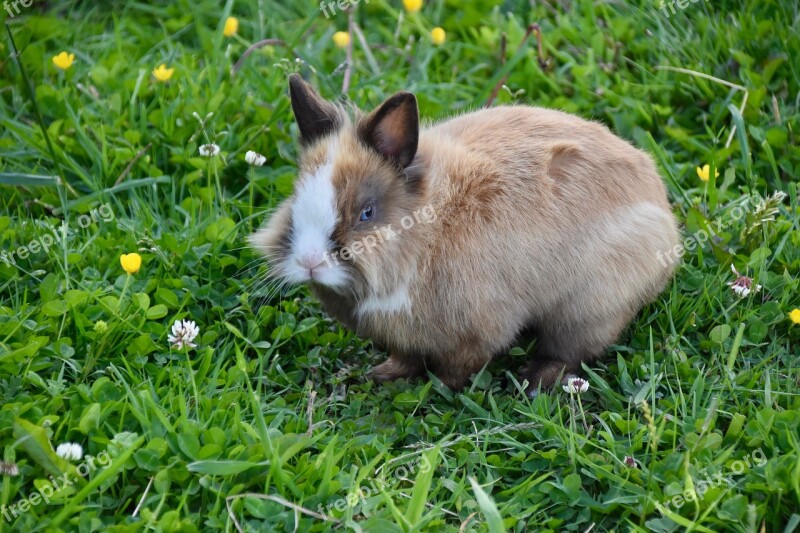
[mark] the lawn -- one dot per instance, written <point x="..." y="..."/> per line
<point x="268" y="422"/>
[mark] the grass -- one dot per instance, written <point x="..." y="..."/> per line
<point x="269" y="424"/>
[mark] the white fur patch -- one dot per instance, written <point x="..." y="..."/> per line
<point x="644" y="218"/>
<point x="395" y="302"/>
<point x="314" y="217"/>
<point x="649" y="210"/>
<point x="314" y="213"/>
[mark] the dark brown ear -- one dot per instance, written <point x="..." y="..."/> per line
<point x="315" y="116"/>
<point x="393" y="129"/>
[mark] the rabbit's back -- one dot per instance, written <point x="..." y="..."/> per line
<point x="542" y="217"/>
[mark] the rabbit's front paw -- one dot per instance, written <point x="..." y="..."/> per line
<point x="395" y="368"/>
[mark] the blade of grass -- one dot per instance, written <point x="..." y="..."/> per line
<point x="422" y="486"/>
<point x="62" y="190"/>
<point x="28" y="180"/>
<point x="489" y="509"/>
<point x="741" y="133"/>
<point x="101" y="478"/>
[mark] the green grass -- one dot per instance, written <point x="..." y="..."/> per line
<point x="270" y="423"/>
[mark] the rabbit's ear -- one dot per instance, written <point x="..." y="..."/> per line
<point x="393" y="129"/>
<point x="315" y="116"/>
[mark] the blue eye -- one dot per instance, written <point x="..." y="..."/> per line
<point x="367" y="214"/>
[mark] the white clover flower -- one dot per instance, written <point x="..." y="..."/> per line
<point x="70" y="451"/>
<point x="255" y="159"/>
<point x="576" y="386"/>
<point x="183" y="333"/>
<point x="742" y="285"/>
<point x="630" y="462"/>
<point x="9" y="469"/>
<point x="209" y="150"/>
<point x="741" y="290"/>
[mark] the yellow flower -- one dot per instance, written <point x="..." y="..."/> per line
<point x="794" y="316"/>
<point x="412" y="6"/>
<point x="63" y="60"/>
<point x="162" y="73"/>
<point x="341" y="39"/>
<point x="231" y="27"/>
<point x="131" y="262"/>
<point x="704" y="172"/>
<point x="438" y="35"/>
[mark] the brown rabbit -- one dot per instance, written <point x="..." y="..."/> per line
<point x="443" y="243"/>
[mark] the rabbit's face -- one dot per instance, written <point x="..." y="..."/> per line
<point x="308" y="248"/>
<point x="342" y="228"/>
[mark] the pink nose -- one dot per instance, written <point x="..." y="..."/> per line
<point x="310" y="261"/>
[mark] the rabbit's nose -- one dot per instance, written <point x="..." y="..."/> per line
<point x="311" y="261"/>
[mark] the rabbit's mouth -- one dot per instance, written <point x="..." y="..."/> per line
<point x="322" y="269"/>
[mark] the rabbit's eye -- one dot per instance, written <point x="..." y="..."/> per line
<point x="367" y="214"/>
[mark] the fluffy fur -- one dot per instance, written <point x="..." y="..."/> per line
<point x="522" y="218"/>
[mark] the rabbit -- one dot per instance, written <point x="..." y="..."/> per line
<point x="443" y="243"/>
